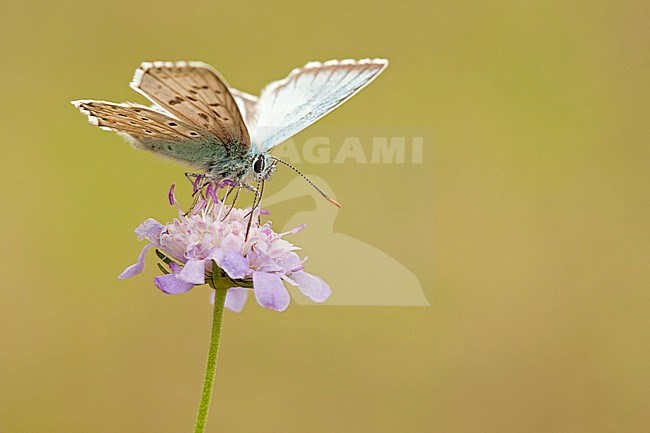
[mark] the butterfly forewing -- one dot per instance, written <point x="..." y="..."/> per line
<point x="288" y="106"/>
<point x="151" y="130"/>
<point x="194" y="92"/>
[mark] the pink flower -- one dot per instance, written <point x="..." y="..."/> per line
<point x="215" y="233"/>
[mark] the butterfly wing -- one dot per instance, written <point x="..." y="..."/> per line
<point x="288" y="106"/>
<point x="246" y="103"/>
<point x="196" y="94"/>
<point x="154" y="131"/>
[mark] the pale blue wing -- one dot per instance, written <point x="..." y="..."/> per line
<point x="246" y="104"/>
<point x="288" y="106"/>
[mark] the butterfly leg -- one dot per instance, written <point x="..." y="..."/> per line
<point x="259" y="204"/>
<point x="199" y="182"/>
<point x="194" y="203"/>
<point x="232" y="205"/>
<point x="256" y="201"/>
<point x="193" y="178"/>
<point x="249" y="187"/>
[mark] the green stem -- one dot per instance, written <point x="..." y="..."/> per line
<point x="211" y="367"/>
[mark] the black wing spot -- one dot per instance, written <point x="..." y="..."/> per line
<point x="193" y="134"/>
<point x="176" y="100"/>
<point x="172" y="124"/>
<point x="169" y="147"/>
<point x="145" y="119"/>
<point x="148" y="131"/>
<point x="192" y="99"/>
<point x="202" y="115"/>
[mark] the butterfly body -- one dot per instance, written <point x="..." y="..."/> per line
<point x="196" y="118"/>
<point x="241" y="169"/>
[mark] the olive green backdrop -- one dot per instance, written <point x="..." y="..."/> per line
<point x="526" y="223"/>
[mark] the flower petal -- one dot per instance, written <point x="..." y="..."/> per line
<point x="313" y="287"/>
<point x="291" y="263"/>
<point x="197" y="181"/>
<point x="171" y="285"/>
<point x="270" y="291"/>
<point x="170" y="195"/>
<point x="136" y="268"/>
<point x="235" y="265"/>
<point x="236" y="298"/>
<point x="193" y="272"/>
<point x="232" y="242"/>
<point x="199" y="207"/>
<point x="211" y="192"/>
<point x="149" y="229"/>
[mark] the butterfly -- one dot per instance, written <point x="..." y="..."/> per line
<point x="227" y="134"/>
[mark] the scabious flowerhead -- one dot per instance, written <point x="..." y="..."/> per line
<point x="209" y="245"/>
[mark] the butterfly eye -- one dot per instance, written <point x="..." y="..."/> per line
<point x="258" y="165"/>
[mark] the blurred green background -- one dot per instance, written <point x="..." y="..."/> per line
<point x="526" y="224"/>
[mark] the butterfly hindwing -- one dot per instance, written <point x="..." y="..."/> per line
<point x="154" y="131"/>
<point x="194" y="93"/>
<point x="246" y="103"/>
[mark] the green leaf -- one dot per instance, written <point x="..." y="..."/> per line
<point x="244" y="283"/>
<point x="163" y="257"/>
<point x="163" y="269"/>
<point x="220" y="280"/>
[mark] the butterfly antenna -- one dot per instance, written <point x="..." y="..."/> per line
<point x="327" y="197"/>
